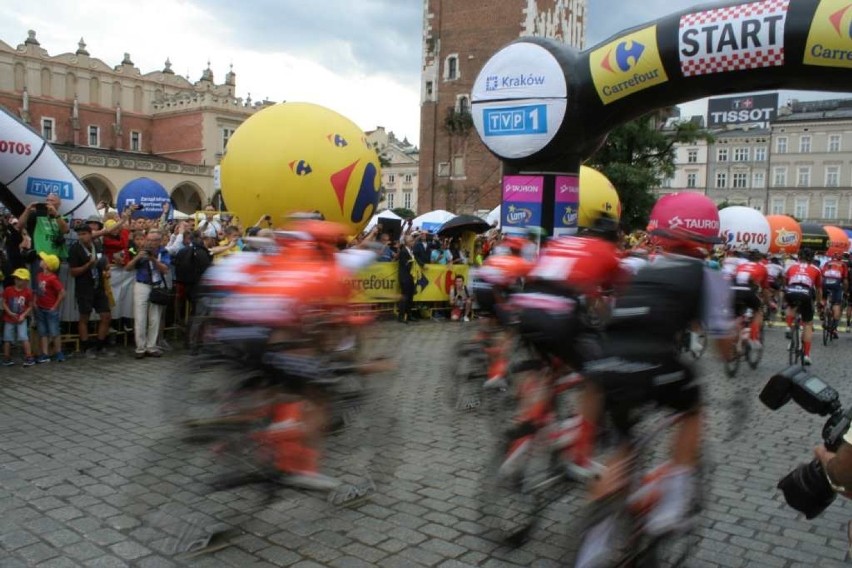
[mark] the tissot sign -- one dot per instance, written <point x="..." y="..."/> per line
<point x="743" y="109"/>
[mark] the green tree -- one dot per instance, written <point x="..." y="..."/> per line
<point x="636" y="157"/>
<point x="404" y="212"/>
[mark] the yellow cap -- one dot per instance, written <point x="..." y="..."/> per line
<point x="51" y="260"/>
<point x="22" y="273"/>
<point x="110" y="223"/>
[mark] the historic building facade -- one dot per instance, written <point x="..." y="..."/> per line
<point x="456" y="170"/>
<point x="115" y="124"/>
<point x="400" y="169"/>
<point x="737" y="167"/>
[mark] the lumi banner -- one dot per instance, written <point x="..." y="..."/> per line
<point x="543" y="106"/>
<point x="30" y="170"/>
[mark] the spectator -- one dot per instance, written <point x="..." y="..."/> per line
<point x="151" y="265"/>
<point x="460" y="301"/>
<point x="387" y="252"/>
<point x="17" y="305"/>
<point x="406" y="278"/>
<point x="49" y="296"/>
<point x="456" y="253"/>
<point x="12" y="240"/>
<point x="421" y="247"/>
<point x="88" y="266"/>
<point x="209" y="226"/>
<point x="190" y="264"/>
<point x="46" y="227"/>
<point x="442" y="255"/>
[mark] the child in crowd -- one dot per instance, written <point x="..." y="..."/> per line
<point x="460" y="300"/>
<point x="51" y="292"/>
<point x="17" y="305"/>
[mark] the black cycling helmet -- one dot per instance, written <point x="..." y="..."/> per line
<point x="806" y="254"/>
<point x="604" y="227"/>
<point x="755" y="255"/>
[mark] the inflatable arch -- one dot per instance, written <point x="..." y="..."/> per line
<point x="542" y="106"/>
<point x="30" y="170"/>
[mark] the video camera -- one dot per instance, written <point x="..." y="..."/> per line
<point x="807" y="488"/>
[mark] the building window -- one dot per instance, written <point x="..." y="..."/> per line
<point x="667" y="183"/>
<point x="760" y="154"/>
<point x="391" y="179"/>
<point x="94" y="136"/>
<point x="463" y="104"/>
<point x="692" y="156"/>
<point x="691" y="179"/>
<point x="781" y="145"/>
<point x="834" y="143"/>
<point x="801" y="208"/>
<point x="407" y="178"/>
<point x="135" y="141"/>
<point x="777" y="205"/>
<point x="803" y="177"/>
<point x="451" y="67"/>
<point x="226" y="135"/>
<point x="406" y="200"/>
<point x="430" y="90"/>
<point x="805" y="144"/>
<point x="779" y="177"/>
<point x="443" y="169"/>
<point x="832" y="176"/>
<point x="740" y="180"/>
<point x="390" y="200"/>
<point x="722" y="155"/>
<point x="721" y="180"/>
<point x="758" y="179"/>
<point x="458" y="166"/>
<point x="47" y="129"/>
<point x="741" y="154"/>
<point x="829" y="208"/>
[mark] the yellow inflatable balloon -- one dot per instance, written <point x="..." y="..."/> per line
<point x="300" y="157"/>
<point x="597" y="194"/>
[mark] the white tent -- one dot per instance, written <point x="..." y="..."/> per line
<point x="493" y="216"/>
<point x="386" y="214"/>
<point x="432" y="221"/>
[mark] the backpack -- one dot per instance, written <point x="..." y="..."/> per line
<point x="190" y="263"/>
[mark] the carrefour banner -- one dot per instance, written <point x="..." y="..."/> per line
<point x="522" y="198"/>
<point x="379" y="283"/>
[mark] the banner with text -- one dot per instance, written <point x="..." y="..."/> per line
<point x="522" y="197"/>
<point x="379" y="283"/>
<point x="567" y="205"/>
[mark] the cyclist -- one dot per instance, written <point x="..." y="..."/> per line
<point x="835" y="276"/>
<point x="751" y="279"/>
<point x="804" y="285"/>
<point x="733" y="259"/>
<point x="775" y="271"/>
<point x="638" y="364"/>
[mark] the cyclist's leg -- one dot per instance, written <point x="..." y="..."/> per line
<point x="757" y="320"/>
<point x="806" y="309"/>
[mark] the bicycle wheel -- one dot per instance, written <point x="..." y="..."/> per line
<point x="753" y="356"/>
<point x="793" y="347"/>
<point x="608" y="534"/>
<point x="732" y="362"/>
<point x="466" y="373"/>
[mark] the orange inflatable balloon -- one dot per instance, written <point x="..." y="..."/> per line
<point x="838" y="240"/>
<point x="785" y="234"/>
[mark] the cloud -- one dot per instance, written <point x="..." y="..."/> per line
<point x="608" y="17"/>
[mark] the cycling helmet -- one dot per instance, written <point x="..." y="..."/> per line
<point x="806" y="254"/>
<point x="685" y="242"/>
<point x="604" y="227"/>
<point x="755" y="255"/>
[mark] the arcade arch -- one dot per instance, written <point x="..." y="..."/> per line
<point x="100" y="188"/>
<point x="188" y="197"/>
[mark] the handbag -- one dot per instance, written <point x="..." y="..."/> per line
<point x="161" y="294"/>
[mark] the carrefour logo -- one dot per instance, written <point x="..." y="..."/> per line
<point x="627" y="65"/>
<point x="830" y="37"/>
<point x="627" y="55"/>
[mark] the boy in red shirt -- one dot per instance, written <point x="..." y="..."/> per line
<point x="17" y="305"/>
<point x="51" y="292"/>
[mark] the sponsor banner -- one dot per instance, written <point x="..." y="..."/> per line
<point x="518" y="128"/>
<point x="745" y="109"/>
<point x="41" y="188"/>
<point x="379" y="283"/>
<point x="733" y="38"/>
<point x="566" y="210"/>
<point x="521" y="207"/>
<point x="830" y="37"/>
<point x="627" y="65"/>
<point x="520" y="71"/>
<point x="49" y="174"/>
<point x="19" y="146"/>
<point x="525" y="189"/>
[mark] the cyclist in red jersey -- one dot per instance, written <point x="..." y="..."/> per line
<point x="804" y="285"/>
<point x="751" y="279"/>
<point x="834" y="281"/>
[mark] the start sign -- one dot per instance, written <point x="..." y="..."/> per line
<point x="744" y="36"/>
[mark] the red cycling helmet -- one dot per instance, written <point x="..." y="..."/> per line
<point x="682" y="241"/>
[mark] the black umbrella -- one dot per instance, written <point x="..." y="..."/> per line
<point x="462" y="224"/>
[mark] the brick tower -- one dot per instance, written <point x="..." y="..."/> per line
<point x="457" y="172"/>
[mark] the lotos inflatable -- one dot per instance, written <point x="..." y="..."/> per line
<point x="30" y="170"/>
<point x="146" y="196"/>
<point x="744" y="228"/>
<point x="691" y="211"/>
<point x="785" y="234"/>
<point x="838" y="240"/>
<point x="301" y="157"/>
<point x="596" y="194"/>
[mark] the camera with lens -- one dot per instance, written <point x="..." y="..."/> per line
<point x="807" y="488"/>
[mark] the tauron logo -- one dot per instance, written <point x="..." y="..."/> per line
<point x="627" y="55"/>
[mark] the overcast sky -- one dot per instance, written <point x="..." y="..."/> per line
<point x="359" y="57"/>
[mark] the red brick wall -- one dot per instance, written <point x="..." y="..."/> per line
<point x="179" y="137"/>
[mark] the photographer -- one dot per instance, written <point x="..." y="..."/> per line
<point x="151" y="265"/>
<point x="46" y="227"/>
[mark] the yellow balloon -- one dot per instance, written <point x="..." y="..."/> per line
<point x="597" y="195"/>
<point x="300" y="157"/>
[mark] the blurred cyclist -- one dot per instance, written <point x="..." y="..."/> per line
<point x="804" y="285"/>
<point x="835" y="276"/>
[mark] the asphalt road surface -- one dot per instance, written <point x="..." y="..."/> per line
<point x="92" y="474"/>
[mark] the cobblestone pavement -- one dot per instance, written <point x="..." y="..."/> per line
<point x="92" y="475"/>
